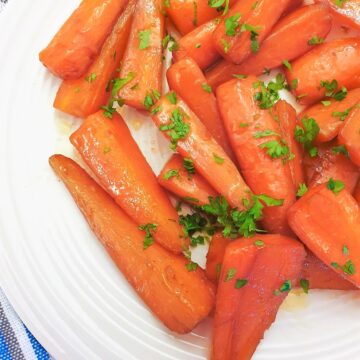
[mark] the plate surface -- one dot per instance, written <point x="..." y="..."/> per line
<point x="53" y="270"/>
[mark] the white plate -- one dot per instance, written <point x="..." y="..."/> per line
<point x="55" y="273"/>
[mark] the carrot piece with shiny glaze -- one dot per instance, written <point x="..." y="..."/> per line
<point x="79" y="40"/>
<point x="241" y="32"/>
<point x="186" y="79"/>
<point x="179" y="298"/>
<point x="142" y="63"/>
<point x="192" y="140"/>
<point x="336" y="60"/>
<point x="192" y="188"/>
<point x="84" y="96"/>
<point x="108" y="148"/>
<point x="288" y="40"/>
<point x="327" y="221"/>
<point x="252" y="132"/>
<point x="256" y="276"/>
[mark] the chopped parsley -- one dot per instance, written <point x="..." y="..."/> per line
<point x="149" y="230"/>
<point x="218" y="159"/>
<point x="294" y="84"/>
<point x="345" y="250"/>
<point x="144" y="39"/>
<point x="331" y="90"/>
<point x="107" y="149"/>
<point x="268" y="95"/>
<point x="206" y="88"/>
<point x="276" y="149"/>
<point x="171" y="173"/>
<point x="195" y="19"/>
<point x="254" y="33"/>
<point x="326" y="102"/>
<point x="171" y="96"/>
<point x="316" y="40"/>
<point x="340" y="149"/>
<point x="336" y="186"/>
<point x="305" y="285"/>
<point x="302" y="190"/>
<point x="306" y="135"/>
<point x="342" y="115"/>
<point x="240" y="283"/>
<point x="230" y="274"/>
<point x="239" y="76"/>
<point x="232" y="26"/>
<point x="90" y="78"/>
<point x="191" y="266"/>
<point x="169" y="42"/>
<point x="259" y="243"/>
<point x="189" y="166"/>
<point x="287" y="64"/>
<point x="226" y="45"/>
<point x="220" y="5"/>
<point x="285" y="287"/>
<point x="151" y="98"/>
<point x="348" y="268"/>
<point x="340" y="3"/>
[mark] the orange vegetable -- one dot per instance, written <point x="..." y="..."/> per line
<point x="186" y="79"/>
<point x="331" y="118"/>
<point x="287" y="41"/>
<point x="348" y="13"/>
<point x="336" y="60"/>
<point x="328" y="223"/>
<point x="198" y="45"/>
<point x="84" y="96"/>
<point x="215" y="256"/>
<point x="350" y="135"/>
<point x="142" y="63"/>
<point x="111" y="153"/>
<point x="79" y="40"/>
<point x="253" y="283"/>
<point x="179" y="298"/>
<point x="294" y="4"/>
<point x="196" y="143"/>
<point x="357" y="192"/>
<point x="249" y="129"/>
<point x="238" y="43"/>
<point x="330" y="164"/>
<point x="187" y="187"/>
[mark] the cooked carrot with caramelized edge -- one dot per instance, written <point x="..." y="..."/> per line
<point x="84" y="96"/>
<point x="192" y="140"/>
<point x="215" y="256"/>
<point x="188" y="186"/>
<point x="327" y="220"/>
<point x="320" y="276"/>
<point x="357" y="192"/>
<point x="347" y="12"/>
<point x="350" y="135"/>
<point x="254" y="133"/>
<point x="80" y="39"/>
<point x="316" y="71"/>
<point x="179" y="298"/>
<point x="248" y="297"/>
<point x="186" y="79"/>
<point x="142" y="63"/>
<point x="242" y="31"/>
<point x="198" y="45"/>
<point x="291" y="37"/>
<point x="331" y="117"/>
<point x="108" y="148"/>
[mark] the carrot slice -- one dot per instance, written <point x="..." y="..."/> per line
<point x="108" y="148"/>
<point x="350" y="135"/>
<point x="186" y="79"/>
<point x="84" y="96"/>
<point x="179" y="298"/>
<point x="336" y="60"/>
<point x="331" y="117"/>
<point x="248" y="297"/>
<point x="250" y="130"/>
<point x="288" y="40"/>
<point x="327" y="220"/>
<point x="142" y="63"/>
<point x="198" y="45"/>
<point x="80" y="39"/>
<point x="189" y="187"/>
<point x="245" y="27"/>
<point x="192" y="140"/>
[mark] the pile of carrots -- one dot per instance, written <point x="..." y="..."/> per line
<point x="274" y="192"/>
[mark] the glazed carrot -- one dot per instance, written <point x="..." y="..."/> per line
<point x="238" y="42"/>
<point x="286" y="115"/>
<point x="251" y="130"/>
<point x="215" y="256"/>
<point x="288" y="40"/>
<point x="331" y="117"/>
<point x="294" y="4"/>
<point x="84" y="96"/>
<point x="111" y="153"/>
<point x="179" y="298"/>
<point x="256" y="276"/>
<point x="188" y="187"/>
<point x="198" y="45"/>
<point x="327" y="220"/>
<point x="347" y="12"/>
<point x="336" y="60"/>
<point x="186" y="79"/>
<point x="192" y="140"/>
<point x="142" y="63"/>
<point x="357" y="192"/>
<point x="350" y="135"/>
<point x="80" y="39"/>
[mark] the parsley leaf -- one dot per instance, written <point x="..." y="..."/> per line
<point x="254" y="33"/>
<point x="307" y="134"/>
<point x="302" y="190"/>
<point x="287" y="64"/>
<point x="171" y="173"/>
<point x="230" y="274"/>
<point x="191" y="266"/>
<point x="285" y="287"/>
<point x="218" y="159"/>
<point x="316" y="40"/>
<point x="232" y="25"/>
<point x="340" y="149"/>
<point x="276" y="149"/>
<point x="144" y="39"/>
<point x="304" y="283"/>
<point x="259" y="243"/>
<point x="331" y="90"/>
<point x="240" y="283"/>
<point x="220" y="5"/>
<point x="149" y="230"/>
<point x="269" y="94"/>
<point x="340" y="3"/>
<point x="189" y="166"/>
<point x="206" y="88"/>
<point x="335" y="186"/>
<point x="90" y="78"/>
<point x="172" y="97"/>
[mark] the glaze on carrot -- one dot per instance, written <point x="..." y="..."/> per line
<point x="142" y="63"/>
<point x="357" y="192"/>
<point x="84" y="96"/>
<point x="179" y="298"/>
<point x="79" y="40"/>
<point x="108" y="148"/>
<point x="256" y="276"/>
